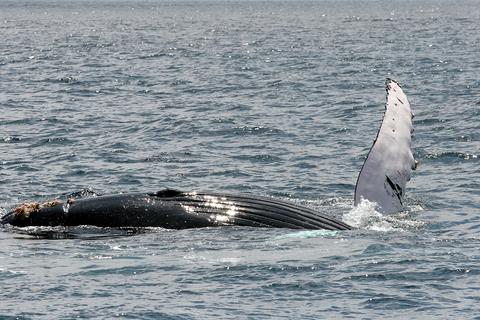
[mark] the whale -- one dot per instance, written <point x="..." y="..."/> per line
<point x="382" y="180"/>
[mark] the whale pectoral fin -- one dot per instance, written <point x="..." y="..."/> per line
<point x="389" y="163"/>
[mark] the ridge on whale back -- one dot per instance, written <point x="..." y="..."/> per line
<point x="383" y="179"/>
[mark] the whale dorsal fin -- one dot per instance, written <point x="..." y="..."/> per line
<point x="388" y="166"/>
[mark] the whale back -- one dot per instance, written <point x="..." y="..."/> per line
<point x="172" y="209"/>
<point x="389" y="163"/>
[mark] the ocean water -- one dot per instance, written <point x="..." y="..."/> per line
<point x="275" y="98"/>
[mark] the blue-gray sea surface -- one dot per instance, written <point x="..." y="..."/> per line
<point x="280" y="99"/>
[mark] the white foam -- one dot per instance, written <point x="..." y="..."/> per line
<point x="7" y="270"/>
<point x="307" y="234"/>
<point x="365" y="216"/>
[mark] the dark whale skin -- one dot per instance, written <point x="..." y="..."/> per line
<point x="172" y="209"/>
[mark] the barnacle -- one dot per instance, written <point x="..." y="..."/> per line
<point x="51" y="203"/>
<point x="25" y="209"/>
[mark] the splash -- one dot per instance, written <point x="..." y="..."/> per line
<point x="365" y="216"/>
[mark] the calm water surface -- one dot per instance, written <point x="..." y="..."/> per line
<point x="280" y="99"/>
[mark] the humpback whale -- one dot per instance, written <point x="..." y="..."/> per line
<point x="382" y="180"/>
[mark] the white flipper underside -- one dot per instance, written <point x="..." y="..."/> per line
<point x="389" y="163"/>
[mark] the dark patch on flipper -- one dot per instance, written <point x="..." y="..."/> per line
<point x="396" y="189"/>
